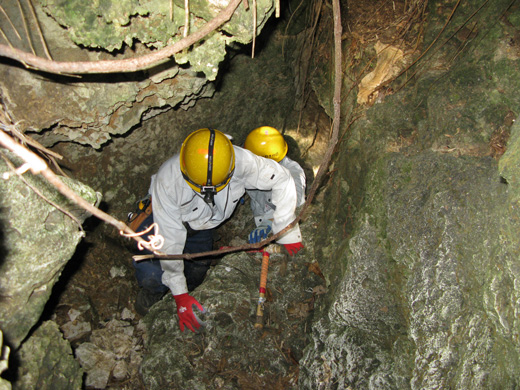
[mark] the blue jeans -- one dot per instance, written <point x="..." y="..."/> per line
<point x="149" y="272"/>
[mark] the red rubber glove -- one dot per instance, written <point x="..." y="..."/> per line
<point x="185" y="304"/>
<point x="293" y="248"/>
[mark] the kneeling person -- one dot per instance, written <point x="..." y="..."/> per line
<point x="193" y="193"/>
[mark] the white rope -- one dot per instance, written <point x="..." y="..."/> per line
<point x="156" y="240"/>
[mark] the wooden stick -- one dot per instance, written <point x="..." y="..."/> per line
<point x="259" y="324"/>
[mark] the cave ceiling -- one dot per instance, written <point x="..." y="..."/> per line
<point x="91" y="109"/>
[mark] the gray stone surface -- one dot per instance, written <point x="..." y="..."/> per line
<point x="47" y="362"/>
<point x="428" y="298"/>
<point x="420" y="254"/>
<point x="37" y="241"/>
<point x="230" y="352"/>
<point x="415" y="231"/>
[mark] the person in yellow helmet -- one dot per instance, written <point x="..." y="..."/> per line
<point x="194" y="192"/>
<point x="266" y="141"/>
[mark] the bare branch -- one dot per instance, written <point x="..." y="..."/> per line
<point x="119" y="66"/>
<point x="40" y="33"/>
<point x="186" y="18"/>
<point x="254" y="30"/>
<point x="26" y="27"/>
<point x="10" y="22"/>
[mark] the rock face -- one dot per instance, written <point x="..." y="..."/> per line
<point x="48" y="361"/>
<point x="409" y="279"/>
<point x="230" y="352"/>
<point x="428" y="298"/>
<point x="37" y="242"/>
<point x="428" y="295"/>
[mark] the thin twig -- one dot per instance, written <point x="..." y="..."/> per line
<point x="5" y="37"/>
<point x="10" y="22"/>
<point x="289" y="23"/>
<point x="28" y="140"/>
<point x="49" y="154"/>
<point x="119" y="66"/>
<point x="26" y="27"/>
<point x="186" y="18"/>
<point x="308" y="59"/>
<point x="254" y="30"/>
<point x="431" y="44"/>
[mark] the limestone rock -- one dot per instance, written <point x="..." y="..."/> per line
<point x="229" y="351"/>
<point x="88" y="110"/>
<point x="111" y="354"/>
<point x="37" y="242"/>
<point x="47" y="362"/>
<point x="429" y="293"/>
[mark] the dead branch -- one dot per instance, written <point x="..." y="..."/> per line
<point x="186" y="18"/>
<point x="40" y="32"/>
<point x="26" y="27"/>
<point x="119" y="66"/>
<point x="254" y="30"/>
<point x="10" y="22"/>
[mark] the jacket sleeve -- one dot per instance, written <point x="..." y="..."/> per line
<point x="265" y="174"/>
<point x="167" y="215"/>
<point x="298" y="175"/>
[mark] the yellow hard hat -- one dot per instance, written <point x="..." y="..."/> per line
<point x="207" y="161"/>
<point x="267" y="142"/>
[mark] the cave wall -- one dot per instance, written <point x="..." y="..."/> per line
<point x="40" y="232"/>
<point x="424" y="265"/>
<point x="120" y="168"/>
<point x="91" y="111"/>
